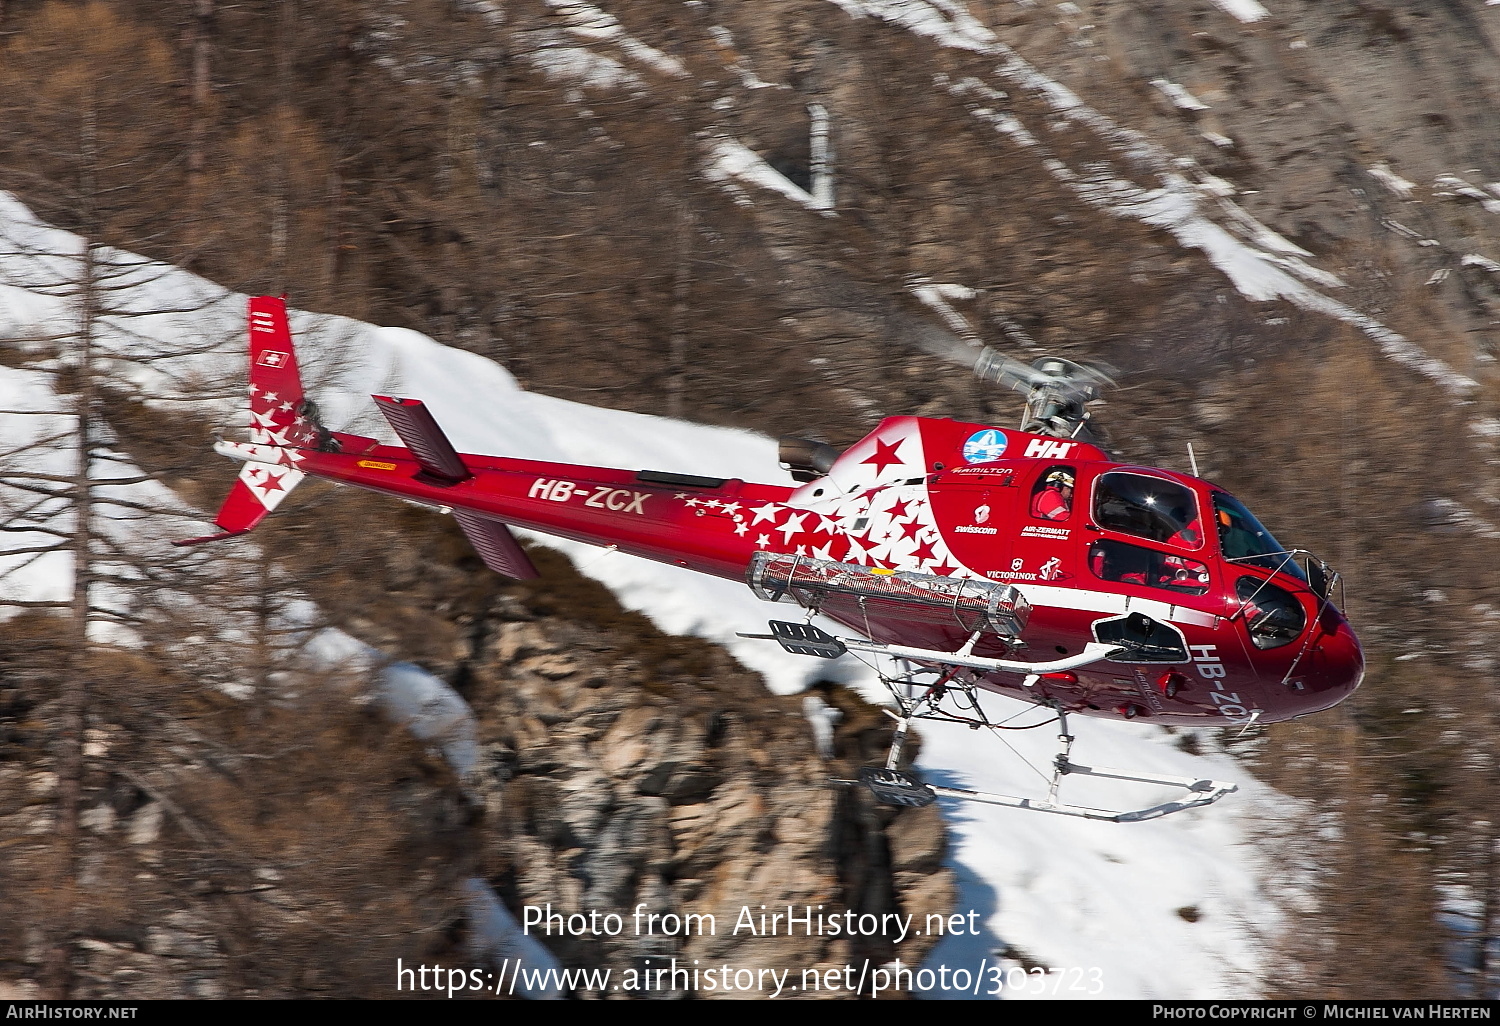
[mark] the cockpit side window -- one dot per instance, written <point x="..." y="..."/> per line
<point x="1052" y="498"/>
<point x="1272" y="616"/>
<point x="1148" y="507"/>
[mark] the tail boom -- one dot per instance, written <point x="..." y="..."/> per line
<point x="694" y="522"/>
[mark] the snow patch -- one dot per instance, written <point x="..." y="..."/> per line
<point x="583" y="67"/>
<point x="939" y="298"/>
<point x="1383" y="174"/>
<point x="1263" y="267"/>
<point x="496" y="937"/>
<point x="735" y="61"/>
<point x="1247" y="11"/>
<point x="1180" y="97"/>
<point x="589" y="23"/>
<point x="732" y="161"/>
<point x="1452" y="187"/>
<point x="432" y="711"/>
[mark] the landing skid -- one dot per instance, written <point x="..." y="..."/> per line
<point x="956" y="681"/>
<point x="892" y="786"/>
<point x="1203" y="792"/>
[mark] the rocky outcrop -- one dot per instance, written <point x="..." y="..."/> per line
<point x="614" y="785"/>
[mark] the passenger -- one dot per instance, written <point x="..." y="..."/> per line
<point x="1055" y="500"/>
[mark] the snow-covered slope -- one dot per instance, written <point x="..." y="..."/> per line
<point x="1070" y="895"/>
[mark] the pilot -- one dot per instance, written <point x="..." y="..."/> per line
<point x="1055" y="500"/>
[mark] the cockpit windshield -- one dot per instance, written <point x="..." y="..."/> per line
<point x="1245" y="539"/>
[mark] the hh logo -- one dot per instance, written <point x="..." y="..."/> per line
<point x="271" y="358"/>
<point x="1044" y="449"/>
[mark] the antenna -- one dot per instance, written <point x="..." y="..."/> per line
<point x="1192" y="460"/>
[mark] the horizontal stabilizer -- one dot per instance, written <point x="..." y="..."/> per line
<point x="419" y="432"/>
<point x="259" y="489"/>
<point x="496" y="546"/>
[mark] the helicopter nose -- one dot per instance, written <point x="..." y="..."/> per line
<point x="1336" y="666"/>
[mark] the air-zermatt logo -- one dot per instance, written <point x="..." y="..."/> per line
<point x="984" y="446"/>
<point x="272" y="358"/>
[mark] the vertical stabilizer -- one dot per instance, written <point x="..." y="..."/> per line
<point x="281" y="418"/>
<point x="279" y="412"/>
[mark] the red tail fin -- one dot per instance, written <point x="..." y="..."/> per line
<point x="279" y="412"/>
<point x="280" y="418"/>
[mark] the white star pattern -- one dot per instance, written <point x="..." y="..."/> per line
<point x="898" y="531"/>
<point x="792" y="526"/>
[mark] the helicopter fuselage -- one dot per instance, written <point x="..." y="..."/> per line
<point x="1238" y="630"/>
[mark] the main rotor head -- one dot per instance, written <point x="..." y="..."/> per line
<point x="1056" y="390"/>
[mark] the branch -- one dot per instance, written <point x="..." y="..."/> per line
<point x="116" y="616"/>
<point x="173" y="809"/>
<point x="40" y="443"/>
<point x="37" y="530"/>
<point x="39" y="549"/>
<point x="20" y="486"/>
<point x="97" y="482"/>
<point x="164" y="511"/>
<point x="36" y="475"/>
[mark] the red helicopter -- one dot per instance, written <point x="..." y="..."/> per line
<point x="973" y="558"/>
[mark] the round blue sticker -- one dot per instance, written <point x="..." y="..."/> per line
<point x="984" y="446"/>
